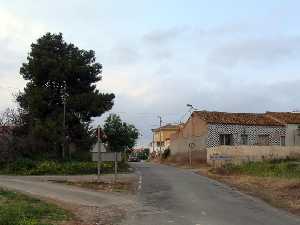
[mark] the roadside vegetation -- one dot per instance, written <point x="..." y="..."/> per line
<point x="18" y="209"/>
<point x="50" y="132"/>
<point x="274" y="168"/>
<point x="30" y="167"/>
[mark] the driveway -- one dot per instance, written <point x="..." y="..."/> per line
<point x="89" y="207"/>
<point x="39" y="186"/>
<point x="169" y="195"/>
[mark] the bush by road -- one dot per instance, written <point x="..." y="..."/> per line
<point x="30" y="167"/>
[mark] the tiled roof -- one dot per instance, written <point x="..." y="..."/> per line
<point x="285" y="117"/>
<point x="167" y="127"/>
<point x="237" y="118"/>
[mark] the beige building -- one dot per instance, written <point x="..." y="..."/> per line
<point x="162" y="136"/>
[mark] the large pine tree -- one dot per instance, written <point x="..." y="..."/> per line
<point x="56" y="70"/>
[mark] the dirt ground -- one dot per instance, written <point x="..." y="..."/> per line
<point x="118" y="186"/>
<point x="92" y="215"/>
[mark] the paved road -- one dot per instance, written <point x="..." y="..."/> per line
<point x="179" y="197"/>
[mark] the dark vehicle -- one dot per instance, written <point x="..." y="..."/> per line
<point x="133" y="159"/>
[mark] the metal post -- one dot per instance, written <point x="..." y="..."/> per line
<point x="99" y="154"/>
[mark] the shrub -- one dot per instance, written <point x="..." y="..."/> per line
<point x="21" y="165"/>
<point x="27" y="167"/>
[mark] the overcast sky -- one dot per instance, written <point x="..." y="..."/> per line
<point x="241" y="56"/>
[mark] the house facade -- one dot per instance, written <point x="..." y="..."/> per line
<point x="161" y="137"/>
<point x="291" y="120"/>
<point x="206" y="129"/>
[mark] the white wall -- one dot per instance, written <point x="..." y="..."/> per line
<point x="244" y="153"/>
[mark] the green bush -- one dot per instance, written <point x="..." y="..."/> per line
<point x="21" y="165"/>
<point x="27" y="167"/>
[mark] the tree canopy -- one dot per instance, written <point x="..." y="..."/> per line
<point x="58" y="71"/>
<point x="119" y="135"/>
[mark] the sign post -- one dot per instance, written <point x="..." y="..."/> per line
<point x="116" y="166"/>
<point x="99" y="152"/>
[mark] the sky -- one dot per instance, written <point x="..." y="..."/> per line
<point x="158" y="56"/>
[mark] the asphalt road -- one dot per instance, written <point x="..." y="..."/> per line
<point x="169" y="195"/>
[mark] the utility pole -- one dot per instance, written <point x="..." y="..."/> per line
<point x="64" y="122"/>
<point x="160" y="122"/>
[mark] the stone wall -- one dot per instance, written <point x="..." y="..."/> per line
<point x="220" y="155"/>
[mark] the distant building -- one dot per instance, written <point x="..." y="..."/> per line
<point x="161" y="137"/>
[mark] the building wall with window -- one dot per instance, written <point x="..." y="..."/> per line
<point x="293" y="135"/>
<point x="161" y="137"/>
<point x="228" y="134"/>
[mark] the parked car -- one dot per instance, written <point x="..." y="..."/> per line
<point x="133" y="158"/>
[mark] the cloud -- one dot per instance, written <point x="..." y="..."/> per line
<point x="162" y="36"/>
<point x="16" y="35"/>
<point x="255" y="51"/>
<point x="124" y="54"/>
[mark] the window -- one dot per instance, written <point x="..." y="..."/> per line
<point x="226" y="139"/>
<point x="160" y="144"/>
<point x="282" y="140"/>
<point x="263" y="139"/>
<point x="244" y="139"/>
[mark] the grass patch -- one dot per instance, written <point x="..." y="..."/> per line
<point x="276" y="168"/>
<point x="30" y="167"/>
<point x="18" y="209"/>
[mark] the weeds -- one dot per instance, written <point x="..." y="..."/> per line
<point x="18" y="209"/>
<point x="275" y="168"/>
